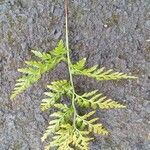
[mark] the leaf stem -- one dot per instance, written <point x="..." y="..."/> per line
<point x="69" y="63"/>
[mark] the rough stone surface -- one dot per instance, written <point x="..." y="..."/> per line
<point x="111" y="33"/>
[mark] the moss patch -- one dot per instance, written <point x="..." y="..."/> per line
<point x="113" y="20"/>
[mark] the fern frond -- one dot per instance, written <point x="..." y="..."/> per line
<point x="61" y="117"/>
<point x="60" y="49"/>
<point x="96" y="128"/>
<point x="81" y="139"/>
<point x="57" y="90"/>
<point x="70" y="130"/>
<point x="68" y="137"/>
<point x="43" y="56"/>
<point x="96" y="73"/>
<point x="97" y="100"/>
<point x="63" y="137"/>
<point x="60" y="86"/>
<point x="35" y="69"/>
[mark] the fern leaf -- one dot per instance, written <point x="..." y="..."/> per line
<point x="81" y="139"/>
<point x="108" y="104"/>
<point x="35" y="69"/>
<point x="47" y="147"/>
<point x="59" y="50"/>
<point x="96" y="73"/>
<point x="86" y="95"/>
<point x="29" y="71"/>
<point x="34" y="64"/>
<point x="97" y="100"/>
<point x="61" y="86"/>
<point x="90" y="124"/>
<point x="80" y="64"/>
<point x="63" y="137"/>
<point x="60" y="118"/>
<point x="57" y="90"/>
<point x="43" y="56"/>
<point x="68" y="137"/>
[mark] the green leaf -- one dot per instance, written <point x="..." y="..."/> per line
<point x="97" y="100"/>
<point x="67" y="137"/>
<point x="61" y="117"/>
<point x="90" y="124"/>
<point x="59" y="50"/>
<point x="43" y="56"/>
<point x="98" y="73"/>
<point x="80" y="64"/>
<point x="35" y="69"/>
<point x="57" y="90"/>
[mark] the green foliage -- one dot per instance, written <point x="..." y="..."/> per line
<point x="67" y="137"/>
<point x="97" y="100"/>
<point x="62" y="116"/>
<point x="68" y="129"/>
<point x="57" y="90"/>
<point x="35" y="69"/>
<point x="98" y="74"/>
<point x="91" y="126"/>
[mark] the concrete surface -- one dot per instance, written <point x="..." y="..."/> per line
<point x="111" y="33"/>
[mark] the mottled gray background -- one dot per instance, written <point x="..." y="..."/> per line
<point x="111" y="33"/>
